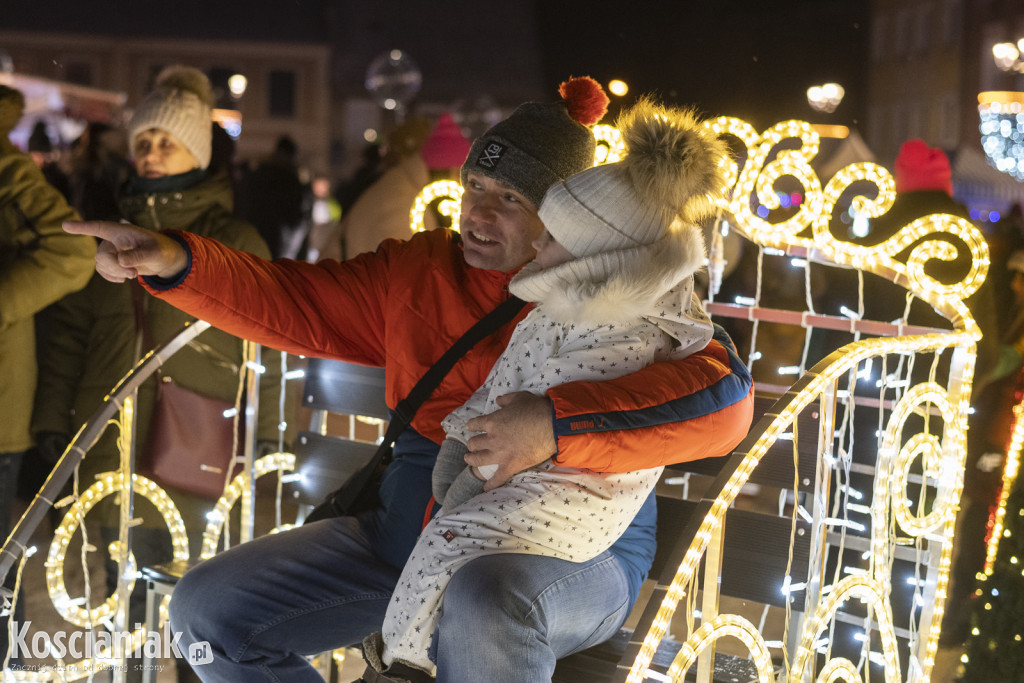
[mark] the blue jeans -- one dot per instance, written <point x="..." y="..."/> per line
<point x="265" y="604"/>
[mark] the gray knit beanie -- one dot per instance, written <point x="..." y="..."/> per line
<point x="541" y="143"/>
<point x="180" y="104"/>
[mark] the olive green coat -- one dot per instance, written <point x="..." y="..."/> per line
<point x="95" y="340"/>
<point x="39" y="263"/>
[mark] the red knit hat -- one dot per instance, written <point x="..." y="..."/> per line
<point x="446" y="147"/>
<point x="920" y="167"/>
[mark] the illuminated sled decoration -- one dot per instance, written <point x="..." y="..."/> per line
<point x="118" y="407"/>
<point x="926" y="465"/>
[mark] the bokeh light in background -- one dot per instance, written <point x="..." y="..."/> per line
<point x="1002" y="130"/>
<point x="825" y="97"/>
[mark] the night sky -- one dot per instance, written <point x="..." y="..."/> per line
<point x="753" y="59"/>
<point x="746" y="58"/>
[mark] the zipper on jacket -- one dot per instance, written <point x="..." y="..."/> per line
<point x="151" y="203"/>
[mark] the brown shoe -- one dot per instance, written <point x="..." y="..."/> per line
<point x="376" y="672"/>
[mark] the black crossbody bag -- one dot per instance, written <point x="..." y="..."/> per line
<point x="360" y="492"/>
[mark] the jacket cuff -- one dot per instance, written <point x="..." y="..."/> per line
<point x="164" y="283"/>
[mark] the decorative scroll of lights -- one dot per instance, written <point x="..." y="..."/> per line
<point x="110" y="483"/>
<point x="934" y="237"/>
<point x="1002" y="130"/>
<point x="107" y="484"/>
<point x="609" y="149"/>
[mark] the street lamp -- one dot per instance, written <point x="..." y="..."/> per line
<point x="1007" y="56"/>
<point x="825" y="97"/>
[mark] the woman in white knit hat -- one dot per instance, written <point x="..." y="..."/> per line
<point x="613" y="287"/>
<point x="174" y="187"/>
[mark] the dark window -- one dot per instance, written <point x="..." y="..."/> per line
<point x="282" y="93"/>
<point x="79" y="73"/>
<point x="154" y="71"/>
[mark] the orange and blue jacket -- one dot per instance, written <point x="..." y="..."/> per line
<point x="401" y="307"/>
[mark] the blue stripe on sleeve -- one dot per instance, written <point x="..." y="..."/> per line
<point x="727" y="391"/>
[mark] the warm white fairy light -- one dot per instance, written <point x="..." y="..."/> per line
<point x="1010" y="470"/>
<point x="942" y="459"/>
<point x="273" y="462"/>
<point x="107" y="483"/>
<point x="723" y="625"/>
<point x="450" y="194"/>
<point x="852" y="587"/>
<point x="610" y="147"/>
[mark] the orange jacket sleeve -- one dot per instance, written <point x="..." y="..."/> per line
<point x="672" y="411"/>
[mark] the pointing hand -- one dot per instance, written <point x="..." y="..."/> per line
<point x="127" y="251"/>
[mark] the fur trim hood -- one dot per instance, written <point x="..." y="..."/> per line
<point x="624" y="286"/>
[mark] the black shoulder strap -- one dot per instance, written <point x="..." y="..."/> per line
<point x="431" y="379"/>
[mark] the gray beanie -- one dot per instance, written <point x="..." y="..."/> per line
<point x="180" y="104"/>
<point x="541" y="143"/>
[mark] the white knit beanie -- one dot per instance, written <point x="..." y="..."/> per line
<point x="673" y="167"/>
<point x="180" y="104"/>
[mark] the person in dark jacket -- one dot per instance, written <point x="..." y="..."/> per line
<point x="39" y="264"/>
<point x="101" y="340"/>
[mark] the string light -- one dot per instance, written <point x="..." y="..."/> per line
<point x="450" y="206"/>
<point x="1011" y="468"/>
<point x="107" y="483"/>
<point x="272" y="462"/>
<point x="806" y="234"/>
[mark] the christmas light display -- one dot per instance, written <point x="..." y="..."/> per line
<point x="937" y="454"/>
<point x="929" y="461"/>
<point x="993" y="648"/>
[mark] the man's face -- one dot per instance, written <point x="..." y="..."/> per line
<point x="498" y="225"/>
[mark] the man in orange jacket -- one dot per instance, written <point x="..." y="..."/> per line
<point x="264" y="604"/>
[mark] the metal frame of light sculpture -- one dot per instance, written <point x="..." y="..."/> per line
<point x="943" y="458"/>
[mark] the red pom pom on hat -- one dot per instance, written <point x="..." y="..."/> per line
<point x="585" y="99"/>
